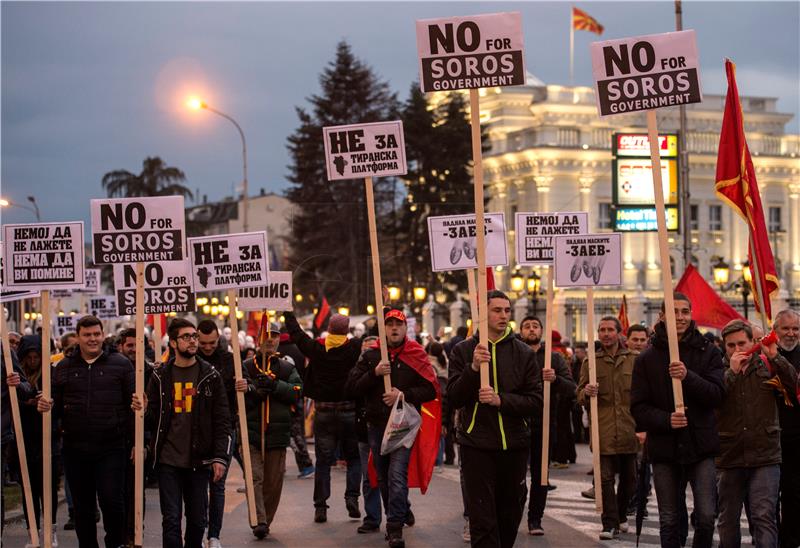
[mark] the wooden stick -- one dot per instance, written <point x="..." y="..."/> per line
<point x="138" y="447"/>
<point x="245" y="438"/>
<point x="157" y="336"/>
<point x="663" y="249"/>
<point x="47" y="430"/>
<point x="598" y="482"/>
<point x="473" y="299"/>
<point x="376" y="280"/>
<point x="14" y="402"/>
<point x="477" y="171"/>
<point x="548" y="364"/>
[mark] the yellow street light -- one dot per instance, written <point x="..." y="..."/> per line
<point x="344" y="311"/>
<point x="194" y="103"/>
<point x="370" y="309"/>
<point x="721" y="272"/>
<point x="394" y="292"/>
<point x="420" y="292"/>
<point x="517" y="281"/>
<point x="748" y="275"/>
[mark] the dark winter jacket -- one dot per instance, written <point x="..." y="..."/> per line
<point x="562" y="388"/>
<point x="93" y="401"/>
<point x="327" y="371"/>
<point x="515" y="375"/>
<point x="288" y="349"/>
<point x="24" y="393"/>
<point x="222" y="361"/>
<point x="211" y="422"/>
<point x="283" y="394"/>
<point x="790" y="416"/>
<point x="703" y="390"/>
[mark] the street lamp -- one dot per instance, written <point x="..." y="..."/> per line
<point x="196" y="104"/>
<point x="517" y="281"/>
<point x="742" y="284"/>
<point x="721" y="272"/>
<point x="420" y="292"/>
<point x="9" y="203"/>
<point x="534" y="284"/>
<point x="394" y="292"/>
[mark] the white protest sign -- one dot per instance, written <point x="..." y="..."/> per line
<point x="44" y="255"/>
<point x="167" y="288"/>
<point x="534" y="234"/>
<point x="478" y="51"/>
<point x="138" y="230"/>
<point x="65" y="324"/>
<point x="589" y="260"/>
<point x="92" y="277"/>
<point x="229" y="261"/>
<point x="646" y="72"/>
<point x="7" y="296"/>
<point x="453" y="241"/>
<point x="365" y="150"/>
<point x="103" y="307"/>
<point x="276" y="295"/>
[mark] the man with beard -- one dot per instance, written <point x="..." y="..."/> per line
<point x="562" y="386"/>
<point x="680" y="445"/>
<point x="787" y="327"/>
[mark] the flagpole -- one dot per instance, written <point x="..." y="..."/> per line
<point x="755" y="285"/>
<point x="571" y="48"/>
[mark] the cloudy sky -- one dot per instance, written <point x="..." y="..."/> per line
<point x="92" y="87"/>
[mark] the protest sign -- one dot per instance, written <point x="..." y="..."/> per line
<point x="7" y="296"/>
<point x="43" y="255"/>
<point x="365" y="150"/>
<point x="229" y="261"/>
<point x="92" y="278"/>
<point x="470" y="52"/>
<point x="103" y="307"/>
<point x="646" y="72"/>
<point x="589" y="260"/>
<point x="276" y="295"/>
<point x="167" y="288"/>
<point x="65" y="324"/>
<point x="453" y="241"/>
<point x="132" y="230"/>
<point x="534" y="234"/>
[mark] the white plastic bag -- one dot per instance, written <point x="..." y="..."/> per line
<point x="402" y="428"/>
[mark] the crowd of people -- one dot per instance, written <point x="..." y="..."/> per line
<point x="735" y="442"/>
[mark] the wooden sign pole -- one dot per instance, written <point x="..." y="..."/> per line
<point x="14" y="402"/>
<point x="244" y="438"/>
<point x="663" y="248"/>
<point x="376" y="279"/>
<point x="598" y="483"/>
<point x="477" y="171"/>
<point x="157" y="337"/>
<point x="138" y="448"/>
<point x="473" y="299"/>
<point x="548" y="364"/>
<point x="47" y="429"/>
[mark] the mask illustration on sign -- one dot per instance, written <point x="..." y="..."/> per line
<point x="339" y="162"/>
<point x="467" y="246"/>
<point x="204" y="274"/>
<point x="591" y="267"/>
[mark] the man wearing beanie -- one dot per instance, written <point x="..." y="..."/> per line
<point x="329" y="363"/>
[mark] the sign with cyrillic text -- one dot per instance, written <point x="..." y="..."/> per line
<point x="138" y="230"/>
<point x="646" y="72"/>
<point x="92" y="278"/>
<point x="590" y="260"/>
<point x="276" y="295"/>
<point x="167" y="288"/>
<point x="365" y="150"/>
<point x="229" y="261"/>
<point x="103" y="307"/>
<point x="65" y="324"/>
<point x="44" y="255"/>
<point x="534" y="234"/>
<point x="478" y="51"/>
<point x="454" y="246"/>
<point x="6" y="295"/>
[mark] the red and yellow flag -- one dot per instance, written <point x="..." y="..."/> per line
<point x="736" y="185"/>
<point x="623" y="315"/>
<point x="583" y="21"/>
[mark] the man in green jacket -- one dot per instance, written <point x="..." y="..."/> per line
<point x="276" y="388"/>
<point x="749" y="463"/>
<point x="618" y="443"/>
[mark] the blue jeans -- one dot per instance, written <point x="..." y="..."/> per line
<point x="760" y="486"/>
<point x="334" y="428"/>
<point x="392" y="477"/>
<point x="190" y="487"/>
<point x="372" y="497"/>
<point x="216" y="498"/>
<point x="670" y="482"/>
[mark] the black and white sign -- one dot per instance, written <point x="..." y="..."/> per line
<point x="103" y="306"/>
<point x="646" y="72"/>
<point x="365" y="150"/>
<point x="478" y="51"/>
<point x="92" y="278"/>
<point x="44" y="255"/>
<point x="590" y="260"/>
<point x="534" y="233"/>
<point x="276" y="295"/>
<point x="229" y="261"/>
<point x="167" y="288"/>
<point x="138" y="230"/>
<point x="453" y="241"/>
<point x="65" y="324"/>
<point x="6" y="296"/>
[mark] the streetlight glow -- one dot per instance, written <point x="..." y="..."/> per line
<point x="194" y="103"/>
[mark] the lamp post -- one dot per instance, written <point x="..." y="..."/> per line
<point x="742" y="284"/>
<point x="197" y="104"/>
<point x="534" y="283"/>
<point x="9" y="203"/>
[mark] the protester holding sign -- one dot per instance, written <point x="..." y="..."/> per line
<point x="493" y="431"/>
<point x="681" y="446"/>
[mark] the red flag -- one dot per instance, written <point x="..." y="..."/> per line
<point x="321" y="317"/>
<point x="709" y="309"/>
<point x="583" y="21"/>
<point x="623" y="315"/>
<point x="490" y="279"/>
<point x="263" y="330"/>
<point x="736" y="185"/>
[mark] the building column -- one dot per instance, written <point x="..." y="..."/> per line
<point x="585" y="183"/>
<point x="793" y="230"/>
<point x="429" y="316"/>
<point x="543" y="190"/>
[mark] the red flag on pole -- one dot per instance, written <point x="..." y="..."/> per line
<point x="490" y="279"/>
<point x="709" y="309"/>
<point x="623" y="315"/>
<point x="736" y="185"/>
<point x="321" y="317"/>
<point x="583" y="21"/>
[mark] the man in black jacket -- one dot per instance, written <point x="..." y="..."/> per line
<point x="187" y="412"/>
<point x="92" y="392"/>
<point x="494" y="433"/>
<point x="329" y="364"/>
<point x="680" y="445"/>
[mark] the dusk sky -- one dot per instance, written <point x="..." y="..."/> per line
<point x="92" y="87"/>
